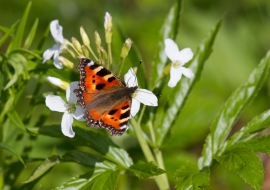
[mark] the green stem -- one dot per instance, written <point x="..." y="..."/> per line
<point x="90" y="49"/>
<point x="157" y="81"/>
<point x="1" y="157"/>
<point x="145" y="148"/>
<point x="122" y="60"/>
<point x="158" y="155"/>
<point x="161" y="181"/>
<point x="109" y="54"/>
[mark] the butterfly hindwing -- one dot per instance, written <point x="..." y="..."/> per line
<point x="114" y="120"/>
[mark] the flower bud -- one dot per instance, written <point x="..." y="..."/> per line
<point x="108" y="28"/>
<point x="76" y="44"/>
<point x="107" y="21"/>
<point x="65" y="62"/>
<point x="84" y="36"/>
<point x="85" y="51"/>
<point x="104" y="54"/>
<point x="58" y="82"/>
<point x="97" y="39"/>
<point x="167" y="69"/>
<point x="126" y="47"/>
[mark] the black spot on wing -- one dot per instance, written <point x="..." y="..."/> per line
<point x="123" y="123"/>
<point x="111" y="79"/>
<point x="125" y="107"/>
<point x="112" y="112"/>
<point x="100" y="86"/>
<point x="125" y="115"/>
<point x="93" y="67"/>
<point x="103" y="72"/>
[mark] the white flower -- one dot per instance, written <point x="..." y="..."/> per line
<point x="140" y="95"/>
<point x="57" y="33"/>
<point x="70" y="109"/>
<point x="179" y="59"/>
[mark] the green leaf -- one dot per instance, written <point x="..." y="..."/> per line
<point x="145" y="170"/>
<point x="43" y="168"/>
<point x="246" y="164"/>
<point x="10" y="149"/>
<point x="8" y="33"/>
<point x="256" y="125"/>
<point x="231" y="110"/>
<point x="17" y="41"/>
<point x="19" y="63"/>
<point x="172" y="99"/>
<point x="88" y="138"/>
<point x="189" y="177"/>
<point x="99" y="179"/>
<point x="31" y="35"/>
<point x="89" y="160"/>
<point x="261" y="144"/>
<point x="8" y="106"/>
<point x="15" y="118"/>
<point x="168" y="30"/>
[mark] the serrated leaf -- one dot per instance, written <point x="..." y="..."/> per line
<point x="145" y="170"/>
<point x="256" y="125"/>
<point x="10" y="149"/>
<point x="15" y="118"/>
<point x="231" y="110"/>
<point x="84" y="137"/>
<point x="172" y="99"/>
<point x="168" y="30"/>
<point x="246" y="164"/>
<point x="189" y="177"/>
<point x="98" y="179"/>
<point x="261" y="144"/>
<point x="17" y="41"/>
<point x="44" y="167"/>
<point x="31" y="35"/>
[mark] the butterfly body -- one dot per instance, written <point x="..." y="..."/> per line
<point x="104" y="96"/>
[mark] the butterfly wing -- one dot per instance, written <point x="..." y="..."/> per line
<point x="95" y="93"/>
<point x="115" y="120"/>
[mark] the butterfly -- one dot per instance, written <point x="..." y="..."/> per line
<point x="108" y="101"/>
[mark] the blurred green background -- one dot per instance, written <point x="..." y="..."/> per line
<point x="242" y="41"/>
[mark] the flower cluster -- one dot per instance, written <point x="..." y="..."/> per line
<point x="75" y="49"/>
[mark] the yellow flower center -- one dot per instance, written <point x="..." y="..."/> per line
<point x="71" y="108"/>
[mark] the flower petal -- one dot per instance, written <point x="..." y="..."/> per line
<point x="187" y="72"/>
<point x="130" y="78"/>
<point x="50" y="52"/>
<point x="146" y="97"/>
<point x="135" y="107"/>
<point x="78" y="114"/>
<point x="56" y="62"/>
<point x="55" y="103"/>
<point x="171" y="49"/>
<point x="185" y="55"/>
<point x="57" y="31"/>
<point x="175" y="76"/>
<point x="66" y="125"/>
<point x="70" y="95"/>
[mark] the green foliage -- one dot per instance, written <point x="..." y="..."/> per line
<point x="145" y="170"/>
<point x="245" y="163"/>
<point x="94" y="159"/>
<point x="189" y="177"/>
